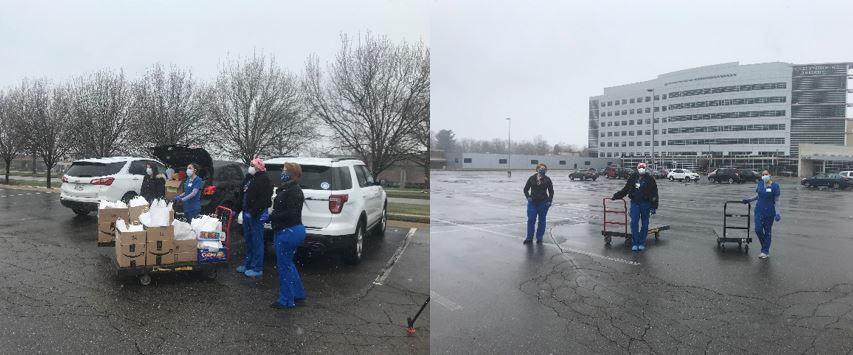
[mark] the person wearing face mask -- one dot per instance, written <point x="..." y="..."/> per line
<point x="257" y="193"/>
<point x="766" y="210"/>
<point x="539" y="192"/>
<point x="153" y="184"/>
<point x="191" y="197"/>
<point x="286" y="220"/>
<point x="643" y="191"/>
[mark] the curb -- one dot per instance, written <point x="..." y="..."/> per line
<point x="30" y="188"/>
<point x="408" y="218"/>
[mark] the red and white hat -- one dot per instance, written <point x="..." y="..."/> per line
<point x="641" y="165"/>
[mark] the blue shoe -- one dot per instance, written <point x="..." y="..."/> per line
<point x="635" y="248"/>
<point x="241" y="269"/>
<point x="253" y="273"/>
<point x="642" y="247"/>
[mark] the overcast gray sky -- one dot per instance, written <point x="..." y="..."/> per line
<point x="539" y="64"/>
<point x="62" y="39"/>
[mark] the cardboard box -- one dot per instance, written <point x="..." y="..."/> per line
<point x="130" y="255"/>
<point x="185" y="246"/>
<point x="159" y="252"/>
<point x="207" y="256"/>
<point x="160" y="233"/>
<point x="131" y="237"/>
<point x="107" y="223"/>
<point x="191" y="257"/>
<point x="173" y="186"/>
<point x="134" y="212"/>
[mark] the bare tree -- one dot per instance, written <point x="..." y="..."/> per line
<point x="372" y="97"/>
<point x="99" y="111"/>
<point x="166" y="108"/>
<point x="254" y="108"/>
<point x="10" y="138"/>
<point x="44" y="113"/>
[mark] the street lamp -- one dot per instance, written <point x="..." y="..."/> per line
<point x="508" y="148"/>
<point x="652" y="90"/>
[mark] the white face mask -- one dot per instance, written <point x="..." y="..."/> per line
<point x="149" y="171"/>
<point x="190" y="172"/>
<point x="641" y="171"/>
<point x="252" y="170"/>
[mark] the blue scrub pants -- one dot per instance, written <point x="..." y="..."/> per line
<point x="763" y="224"/>
<point x="536" y="210"/>
<point x="253" y="233"/>
<point x="190" y="214"/>
<point x="640" y="211"/>
<point x="290" y="287"/>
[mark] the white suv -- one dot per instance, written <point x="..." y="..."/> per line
<point x="683" y="174"/>
<point x="88" y="181"/>
<point x="342" y="203"/>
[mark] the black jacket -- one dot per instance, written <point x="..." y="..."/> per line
<point x="153" y="187"/>
<point x="287" y="209"/>
<point x="257" y="190"/>
<point x="648" y="192"/>
<point x="539" y="190"/>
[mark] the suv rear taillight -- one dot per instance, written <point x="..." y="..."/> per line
<point x="64" y="178"/>
<point x="103" y="181"/>
<point x="336" y="203"/>
<point x="210" y="190"/>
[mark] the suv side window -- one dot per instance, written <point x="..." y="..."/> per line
<point x="360" y="175"/>
<point x="343" y="179"/>
<point x="137" y="167"/>
<point x="370" y="180"/>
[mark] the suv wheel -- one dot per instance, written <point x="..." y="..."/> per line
<point x="835" y="185"/>
<point x="731" y="181"/>
<point x="81" y="212"/>
<point x="128" y="196"/>
<point x="383" y="223"/>
<point x="671" y="178"/>
<point x="354" y="254"/>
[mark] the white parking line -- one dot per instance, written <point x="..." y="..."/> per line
<point x="444" y="302"/>
<point x="393" y="261"/>
<point x="562" y="249"/>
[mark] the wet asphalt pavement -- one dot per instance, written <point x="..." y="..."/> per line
<point x="573" y="294"/>
<point x="59" y="293"/>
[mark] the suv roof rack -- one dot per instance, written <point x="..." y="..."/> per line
<point x="337" y="159"/>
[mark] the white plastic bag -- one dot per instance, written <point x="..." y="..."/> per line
<point x="121" y="226"/>
<point x="183" y="230"/>
<point x="211" y="245"/>
<point x="158" y="213"/>
<point x="137" y="201"/>
<point x="145" y="219"/>
<point x="103" y="204"/>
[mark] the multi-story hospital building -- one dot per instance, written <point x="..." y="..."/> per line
<point x="731" y="112"/>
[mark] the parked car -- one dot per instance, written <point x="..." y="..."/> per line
<point x="89" y="181"/>
<point x="590" y="174"/>
<point x="729" y="175"/>
<point x="683" y="175"/>
<point x="846" y="174"/>
<point x="747" y="175"/>
<point x="834" y="181"/>
<point x="660" y="174"/>
<point x="222" y="180"/>
<point x="343" y="202"/>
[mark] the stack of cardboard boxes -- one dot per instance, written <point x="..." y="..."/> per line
<point x="173" y="188"/>
<point x="107" y="218"/>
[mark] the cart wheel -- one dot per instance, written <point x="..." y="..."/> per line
<point x="144" y="279"/>
<point x="723" y="248"/>
<point x="746" y="249"/>
<point x="607" y="240"/>
<point x="739" y="245"/>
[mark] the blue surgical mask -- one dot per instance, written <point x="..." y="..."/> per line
<point x="543" y="171"/>
<point x="766" y="178"/>
<point x="190" y="172"/>
<point x="285" y="177"/>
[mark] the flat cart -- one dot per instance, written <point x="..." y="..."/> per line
<point x="742" y="239"/>
<point x="623" y="221"/>
<point x="208" y="269"/>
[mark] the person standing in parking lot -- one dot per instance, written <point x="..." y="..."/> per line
<point x="766" y="210"/>
<point x="643" y="191"/>
<point x="191" y="197"/>
<point x="257" y="195"/>
<point x="539" y="192"/>
<point x="286" y="220"/>
<point x="153" y="184"/>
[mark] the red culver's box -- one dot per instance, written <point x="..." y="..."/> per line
<point x="207" y="256"/>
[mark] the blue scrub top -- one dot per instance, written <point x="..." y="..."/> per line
<point x="766" y="205"/>
<point x="194" y="203"/>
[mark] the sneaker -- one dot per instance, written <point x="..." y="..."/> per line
<point x="241" y="269"/>
<point x="635" y="248"/>
<point x="253" y="273"/>
<point x="642" y="247"/>
<point x="538" y="241"/>
<point x="528" y="241"/>
<point x="277" y="305"/>
<point x="763" y="256"/>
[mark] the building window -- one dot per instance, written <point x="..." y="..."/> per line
<point x="534" y="162"/>
<point x="657" y="109"/>
<point x="624" y="101"/>
<point x="632" y="110"/>
<point x="639" y="133"/>
<point x="602" y="145"/>
<point x="624" y="123"/>
<point x="624" y="112"/>
<point x="631" y="122"/>
<point x="664" y="109"/>
<point x="617" y="113"/>
<point x="663" y="143"/>
<point x="632" y="101"/>
<point x="456" y="160"/>
<point x="602" y="134"/>
<point x="602" y="124"/>
<point x="663" y="96"/>
<point x="609" y="124"/>
<point x="648" y="143"/>
<point x="631" y="133"/>
<point x="624" y="143"/>
<point x="648" y="98"/>
<point x="657" y="97"/>
<point x="467" y="160"/>
<point x="586" y="162"/>
<point x="631" y="143"/>
<point x="617" y="102"/>
<point x="648" y="110"/>
<point x="648" y="121"/>
<point x="609" y="103"/>
<point x="562" y="162"/>
<point x="501" y="161"/>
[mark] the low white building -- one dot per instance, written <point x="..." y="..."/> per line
<point x="485" y="161"/>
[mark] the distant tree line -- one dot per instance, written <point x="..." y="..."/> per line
<point x="370" y="101"/>
<point x="446" y="140"/>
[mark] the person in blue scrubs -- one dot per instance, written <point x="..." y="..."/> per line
<point x="643" y="191"/>
<point x="257" y="198"/>
<point x="286" y="220"/>
<point x="766" y="210"/>
<point x="191" y="197"/>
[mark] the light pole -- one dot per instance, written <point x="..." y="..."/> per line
<point x="652" y="90"/>
<point x="508" y="147"/>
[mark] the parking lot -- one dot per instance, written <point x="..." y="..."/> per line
<point x="573" y="294"/>
<point x="60" y="293"/>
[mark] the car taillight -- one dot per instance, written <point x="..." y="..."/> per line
<point x="210" y="190"/>
<point x="103" y="181"/>
<point x="336" y="203"/>
<point x="64" y="178"/>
